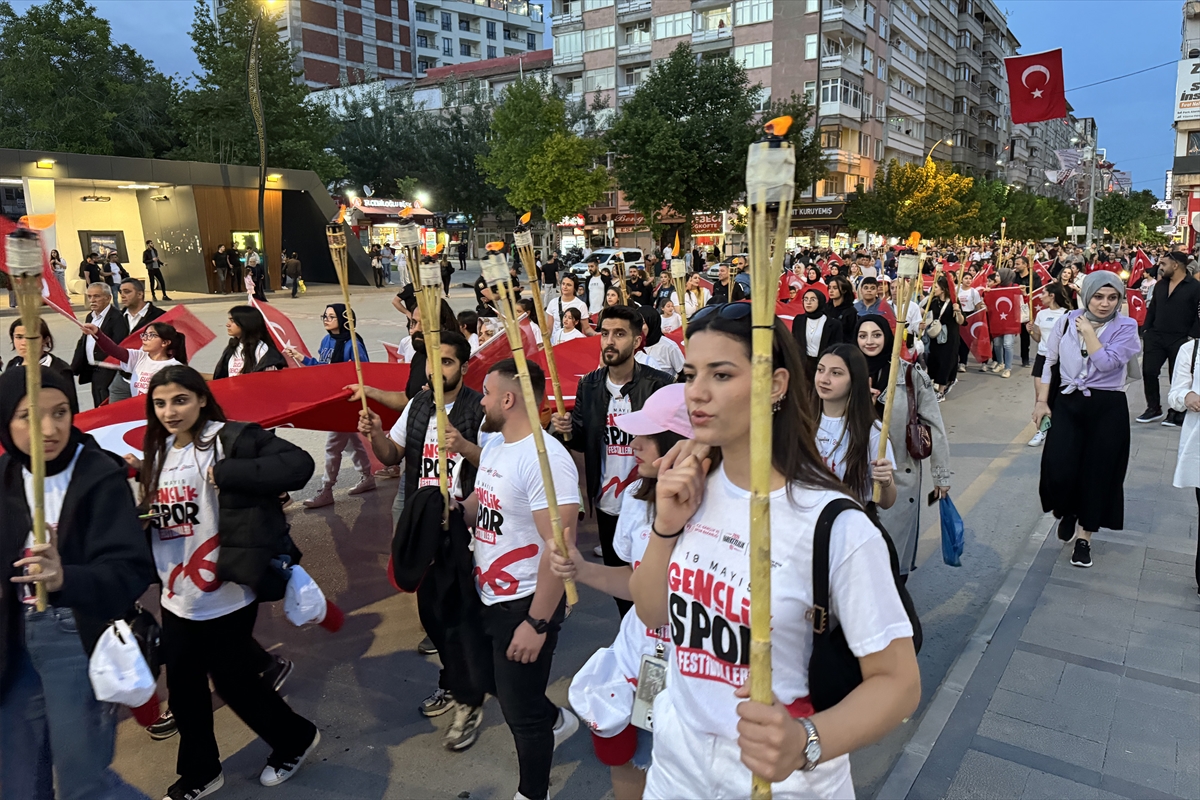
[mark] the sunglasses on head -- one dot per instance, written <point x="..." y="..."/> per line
<point x="730" y="311"/>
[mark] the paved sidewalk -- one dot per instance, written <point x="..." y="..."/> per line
<point x="1086" y="683"/>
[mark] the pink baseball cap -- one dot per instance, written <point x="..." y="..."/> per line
<point x="665" y="410"/>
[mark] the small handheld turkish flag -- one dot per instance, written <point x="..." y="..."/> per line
<point x="975" y="332"/>
<point x="1036" y="89"/>
<point x="1004" y="310"/>
<point x="1043" y="273"/>
<point x="1141" y="263"/>
<point x="1137" y="306"/>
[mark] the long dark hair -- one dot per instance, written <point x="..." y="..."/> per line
<point x="845" y="289"/>
<point x="44" y="330"/>
<point x="155" y="445"/>
<point x="1061" y="296"/>
<point x="793" y="433"/>
<point x="860" y="419"/>
<point x="176" y="341"/>
<point x="254" y="330"/>
<point x="663" y="441"/>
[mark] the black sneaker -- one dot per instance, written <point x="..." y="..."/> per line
<point x="437" y="703"/>
<point x="1082" y="557"/>
<point x="1173" y="419"/>
<point x="1151" y="414"/>
<point x="183" y="789"/>
<point x="164" y="727"/>
<point x="464" y="729"/>
<point x="280" y="768"/>
<point x="427" y="647"/>
<point x="279" y="672"/>
<point x="1066" y="528"/>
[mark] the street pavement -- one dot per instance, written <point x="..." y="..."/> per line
<point x="362" y="685"/>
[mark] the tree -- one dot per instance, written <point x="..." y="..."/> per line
<point x="915" y="197"/>
<point x="1126" y="216"/>
<point x="459" y="137"/>
<point x="536" y="158"/>
<point x="66" y="86"/>
<point x="382" y="138"/>
<point x="213" y="115"/>
<point x="681" y="140"/>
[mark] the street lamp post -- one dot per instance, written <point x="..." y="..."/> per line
<point x="256" y="111"/>
<point x="929" y="155"/>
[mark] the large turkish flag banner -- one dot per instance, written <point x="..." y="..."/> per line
<point x="1036" y="90"/>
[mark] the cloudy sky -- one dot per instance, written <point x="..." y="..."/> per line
<point x="1100" y="39"/>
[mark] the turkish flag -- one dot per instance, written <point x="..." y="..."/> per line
<point x="786" y="281"/>
<point x="705" y="283"/>
<point x="52" y="291"/>
<point x="975" y="332"/>
<point x="1035" y="87"/>
<point x="1141" y="263"/>
<point x="1043" y="273"/>
<point x="980" y="280"/>
<point x="1037" y="302"/>
<point x="574" y="359"/>
<point x="197" y="333"/>
<point x="1137" y="306"/>
<point x="283" y="331"/>
<point x="497" y="349"/>
<point x="1107" y="266"/>
<point x="834" y="258"/>
<point x="393" y="352"/>
<point x="1004" y="310"/>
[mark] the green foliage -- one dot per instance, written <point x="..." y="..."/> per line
<point x="213" y="115"/>
<point x="66" y="86"/>
<point x="536" y="156"/>
<point x="1127" y="217"/>
<point x="914" y="197"/>
<point x="681" y="140"/>
<point x="381" y="140"/>
<point x="458" y="137"/>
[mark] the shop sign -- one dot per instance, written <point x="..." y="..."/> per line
<point x="706" y="223"/>
<point x="576" y="221"/>
<point x="629" y="219"/>
<point x="818" y="213"/>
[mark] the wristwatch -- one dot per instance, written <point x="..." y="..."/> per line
<point x="539" y="625"/>
<point x="812" y="746"/>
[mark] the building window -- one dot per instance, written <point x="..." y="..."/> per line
<point x="670" y="25"/>
<point x="491" y="30"/>
<point x="568" y="46"/>
<point x="422" y="66"/>
<point x="880" y="110"/>
<point x="810" y="92"/>
<point x="753" y="56"/>
<point x="869" y="13"/>
<point x="422" y="40"/>
<point x="879" y="149"/>
<point x="881" y="68"/>
<point x="1193" y="143"/>
<point x="421" y="16"/>
<point x="592" y="5"/>
<point x="868" y="59"/>
<point x="531" y="41"/>
<point x="811" y="6"/>
<point x="841" y="91"/>
<point x="963" y="73"/>
<point x="747" y="12"/>
<point x="864" y="145"/>
<point x="810" y="46"/>
<point x="764" y="99"/>
<point x="884" y="27"/>
<point x="491" y="51"/>
<point x="446" y="21"/>
<point x="464" y="25"/>
<point x="831" y="138"/>
<point x="867" y="103"/>
<point x="574" y="86"/>
<point x="638" y="33"/>
<point x="832" y="184"/>
<point x="597" y="80"/>
<point x="464" y="48"/>
<point x="635" y="75"/>
<point x="447" y="46"/>
<point x="599" y="38"/>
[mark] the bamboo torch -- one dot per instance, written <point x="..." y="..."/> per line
<point x="618" y="267"/>
<point x="770" y="187"/>
<point x="336" y="234"/>
<point x="496" y="274"/>
<point x="24" y="255"/>
<point x="679" y="277"/>
<point x="908" y="270"/>
<point x="523" y="240"/>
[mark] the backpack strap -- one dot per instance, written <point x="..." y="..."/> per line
<point x="821" y="535"/>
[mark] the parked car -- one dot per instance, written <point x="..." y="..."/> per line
<point x="633" y="258"/>
<point x="713" y="271"/>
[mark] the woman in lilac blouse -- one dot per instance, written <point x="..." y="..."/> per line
<point x="1087" y="448"/>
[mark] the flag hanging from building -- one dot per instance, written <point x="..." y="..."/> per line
<point x="1035" y="87"/>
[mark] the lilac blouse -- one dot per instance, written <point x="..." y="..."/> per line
<point x="1105" y="369"/>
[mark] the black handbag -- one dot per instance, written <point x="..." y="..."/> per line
<point x="147" y="632"/>
<point x="833" y="670"/>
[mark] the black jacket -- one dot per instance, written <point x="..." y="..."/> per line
<point x="722" y="294"/>
<point x="272" y="360"/>
<point x="590" y="415"/>
<point x="831" y="334"/>
<point x="1172" y="315"/>
<point x="153" y="312"/>
<point x="256" y="468"/>
<point x="150" y="256"/>
<point x="105" y="555"/>
<point x="114" y="321"/>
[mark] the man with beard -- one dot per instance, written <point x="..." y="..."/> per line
<point x="413" y="440"/>
<point x="619" y="387"/>
<point x="523" y="601"/>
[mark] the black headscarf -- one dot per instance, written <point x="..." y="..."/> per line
<point x="342" y="335"/>
<point x="822" y="302"/>
<point x="878" y="365"/>
<point x="12" y="389"/>
<point x="653" y="326"/>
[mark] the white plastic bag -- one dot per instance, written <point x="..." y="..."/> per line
<point x="303" y="602"/>
<point x="118" y="670"/>
<point x="601" y="695"/>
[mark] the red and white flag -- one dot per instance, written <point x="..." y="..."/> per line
<point x="1043" y="273"/>
<point x="1141" y="264"/>
<point x="1137" y="306"/>
<point x="1036" y="90"/>
<point x="980" y="279"/>
<point x="52" y="291"/>
<point x="197" y="334"/>
<point x="496" y="349"/>
<point x="283" y="331"/>
<point x="393" y="352"/>
<point x="1004" y="310"/>
<point x="975" y="332"/>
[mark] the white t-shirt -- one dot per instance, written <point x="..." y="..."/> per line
<point x="813" y="328"/>
<point x="618" y="467"/>
<point x="187" y="545"/>
<point x="407" y="349"/>
<point x="833" y="442"/>
<point x="54" y="493"/>
<point x="671" y="323"/>
<point x="472" y="340"/>
<point x="596" y="291"/>
<point x="552" y="310"/>
<point x="1045" y="320"/>
<point x="509" y="486"/>
<point x="630" y="540"/>
<point x="238" y="359"/>
<point x="560" y="335"/>
<point x="143" y="368"/>
<point x="708" y="584"/>
<point x="692" y="304"/>
<point x="427" y="475"/>
<point x="969" y="299"/>
<point x="667" y="355"/>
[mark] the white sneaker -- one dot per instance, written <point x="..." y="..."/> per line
<point x="566" y="726"/>
<point x="1037" y="439"/>
<point x="1006" y="373"/>
<point x="598" y="551"/>
<point x="279" y="769"/>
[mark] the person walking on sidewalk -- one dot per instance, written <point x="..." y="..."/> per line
<point x="1170" y="320"/>
<point x="96" y="564"/>
<point x="154" y="274"/>
<point x="1057" y="304"/>
<point x="1087" y="448"/>
<point x="1184" y="398"/>
<point x="293" y="270"/>
<point x="251" y="347"/>
<point x="231" y="524"/>
<point x="337" y="348"/>
<point x="523" y="602"/>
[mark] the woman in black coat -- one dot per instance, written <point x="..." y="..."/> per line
<point x="841" y="305"/>
<point x="815" y="330"/>
<point x="96" y="564"/>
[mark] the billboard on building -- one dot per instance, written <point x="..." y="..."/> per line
<point x="1187" y="90"/>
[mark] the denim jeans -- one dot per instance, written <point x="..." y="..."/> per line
<point x="64" y="726"/>
<point x="1002" y="349"/>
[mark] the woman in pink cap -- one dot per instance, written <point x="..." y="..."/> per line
<point x="602" y="693"/>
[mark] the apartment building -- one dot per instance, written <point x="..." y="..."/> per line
<point x="352" y="41"/>
<point x="1184" y="194"/>
<point x="493" y="77"/>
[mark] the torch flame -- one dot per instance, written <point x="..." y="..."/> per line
<point x="525" y="217"/>
<point x="676" y="250"/>
<point x="407" y="212"/>
<point x="341" y="215"/>
<point x="37" y="222"/>
<point x="914" y="239"/>
<point x="778" y="126"/>
<point x="495" y="247"/>
<point x="441" y="246"/>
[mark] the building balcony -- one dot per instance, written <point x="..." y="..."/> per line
<point x="571" y="18"/>
<point x="848" y="63"/>
<point x="627" y="91"/>
<point x="564" y="60"/>
<point x="906" y="105"/>
<point x="633" y="10"/>
<point x="636" y="51"/>
<point x="712" y="35"/>
<point x="831" y="109"/>
<point x="905" y="143"/>
<point x="906" y="67"/>
<point x="837" y="160"/>
<point x="840" y="14"/>
<point x="910" y="29"/>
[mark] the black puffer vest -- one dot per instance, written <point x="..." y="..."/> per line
<point x="466" y="417"/>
